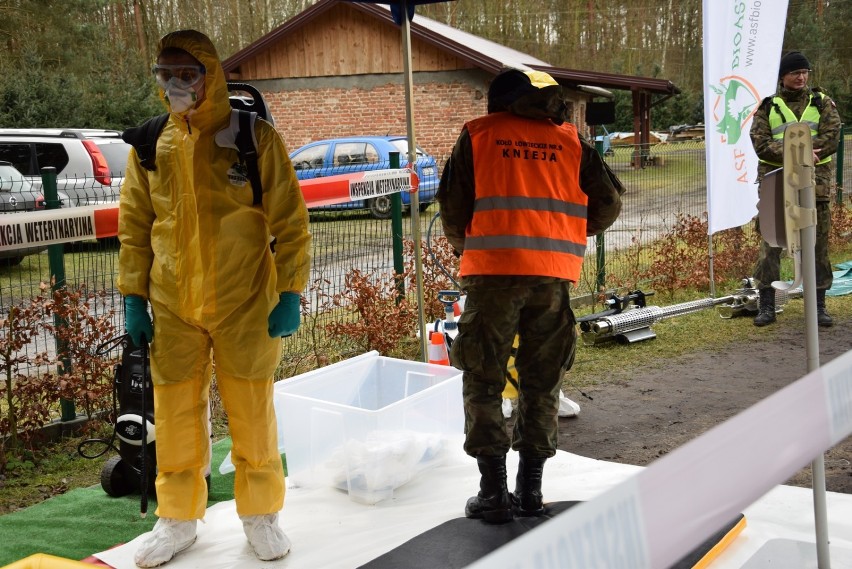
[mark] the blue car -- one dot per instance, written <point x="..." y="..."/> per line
<point x="360" y="153"/>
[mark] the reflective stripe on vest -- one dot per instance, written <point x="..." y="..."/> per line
<point x="529" y="216"/>
<point x="778" y="122"/>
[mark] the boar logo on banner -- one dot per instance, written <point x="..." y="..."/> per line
<point x="734" y="104"/>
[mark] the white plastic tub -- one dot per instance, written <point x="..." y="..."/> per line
<point x="367" y="425"/>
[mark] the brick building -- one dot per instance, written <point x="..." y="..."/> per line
<point x="336" y="69"/>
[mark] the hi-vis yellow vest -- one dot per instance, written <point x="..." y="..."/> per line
<point x="779" y="121"/>
<point x="529" y="216"/>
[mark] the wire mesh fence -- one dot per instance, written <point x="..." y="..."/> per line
<point x="670" y="183"/>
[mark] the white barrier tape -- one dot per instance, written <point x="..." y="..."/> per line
<point x="838" y="395"/>
<point x="380" y="183"/>
<point x="665" y="511"/>
<point x="355" y="186"/>
<point x="50" y="227"/>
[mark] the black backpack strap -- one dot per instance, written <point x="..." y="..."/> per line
<point x="817" y="98"/>
<point x="144" y="139"/>
<point x="248" y="154"/>
<point x="771" y="103"/>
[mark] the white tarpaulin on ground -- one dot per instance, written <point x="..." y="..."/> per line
<point x="742" y="49"/>
<point x="643" y="517"/>
<point x="330" y="531"/>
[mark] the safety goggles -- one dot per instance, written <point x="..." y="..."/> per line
<point x="181" y="76"/>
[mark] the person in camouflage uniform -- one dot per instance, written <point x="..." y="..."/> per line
<point x="796" y="102"/>
<point x="511" y="286"/>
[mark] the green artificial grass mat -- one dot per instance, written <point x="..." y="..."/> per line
<point x="84" y="521"/>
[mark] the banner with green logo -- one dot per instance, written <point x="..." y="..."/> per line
<point x="742" y="48"/>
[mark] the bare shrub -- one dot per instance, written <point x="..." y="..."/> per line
<point x="82" y="322"/>
<point x="28" y="400"/>
<point x="680" y="257"/>
<point x="383" y="318"/>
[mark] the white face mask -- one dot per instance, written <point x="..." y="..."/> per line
<point x="180" y="100"/>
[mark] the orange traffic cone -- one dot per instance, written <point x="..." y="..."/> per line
<point x="438" y="349"/>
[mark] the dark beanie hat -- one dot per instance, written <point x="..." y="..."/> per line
<point x="506" y="88"/>
<point x="793" y="61"/>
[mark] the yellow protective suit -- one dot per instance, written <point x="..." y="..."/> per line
<point x="45" y="561"/>
<point x="194" y="245"/>
<point x="511" y="389"/>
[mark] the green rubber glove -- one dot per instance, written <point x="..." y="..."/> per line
<point x="137" y="321"/>
<point x="286" y="315"/>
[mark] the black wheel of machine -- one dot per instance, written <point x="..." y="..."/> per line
<point x="11" y="261"/>
<point x="380" y="207"/>
<point x="424" y="206"/>
<point x="114" y="478"/>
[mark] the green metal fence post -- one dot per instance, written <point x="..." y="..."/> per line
<point x="600" y="243"/>
<point x="396" y="230"/>
<point x="838" y="160"/>
<point x="56" y="261"/>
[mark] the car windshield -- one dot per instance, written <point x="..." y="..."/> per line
<point x="116" y="154"/>
<point x="11" y="180"/>
<point x="401" y="144"/>
<point x="350" y="153"/>
<point x="310" y="158"/>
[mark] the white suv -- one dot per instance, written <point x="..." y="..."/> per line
<point x="89" y="163"/>
<point x="17" y="194"/>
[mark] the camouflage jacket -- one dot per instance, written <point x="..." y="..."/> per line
<point x="772" y="149"/>
<point x="457" y="191"/>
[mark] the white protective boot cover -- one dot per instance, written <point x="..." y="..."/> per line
<point x="567" y="407"/>
<point x="168" y="538"/>
<point x="266" y="537"/>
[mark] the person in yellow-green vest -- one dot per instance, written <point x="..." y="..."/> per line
<point x="796" y="102"/>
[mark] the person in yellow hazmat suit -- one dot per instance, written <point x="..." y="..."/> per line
<point x="223" y="278"/>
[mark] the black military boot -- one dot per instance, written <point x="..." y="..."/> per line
<point x="492" y="504"/>
<point x="766" y="314"/>
<point x="823" y="317"/>
<point x="527" y="499"/>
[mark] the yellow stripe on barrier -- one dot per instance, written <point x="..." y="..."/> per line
<point x="723" y="544"/>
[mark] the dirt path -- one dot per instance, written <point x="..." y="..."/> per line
<point x="642" y="416"/>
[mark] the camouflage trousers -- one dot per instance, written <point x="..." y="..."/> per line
<point x="540" y="314"/>
<point x="768" y="266"/>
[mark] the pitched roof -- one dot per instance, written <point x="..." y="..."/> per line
<point x="479" y="52"/>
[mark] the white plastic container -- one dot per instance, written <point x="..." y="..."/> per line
<point x="369" y="424"/>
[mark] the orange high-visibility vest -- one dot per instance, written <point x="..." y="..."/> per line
<point x="529" y="216"/>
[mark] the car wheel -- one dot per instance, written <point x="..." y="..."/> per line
<point x="424" y="206"/>
<point x="380" y="207"/>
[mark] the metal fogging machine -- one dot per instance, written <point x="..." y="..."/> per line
<point x="628" y="318"/>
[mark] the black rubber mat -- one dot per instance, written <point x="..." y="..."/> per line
<point x="459" y="542"/>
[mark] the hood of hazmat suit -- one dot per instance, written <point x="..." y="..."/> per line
<point x="191" y="238"/>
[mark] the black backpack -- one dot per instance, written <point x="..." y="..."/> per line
<point x="144" y="137"/>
